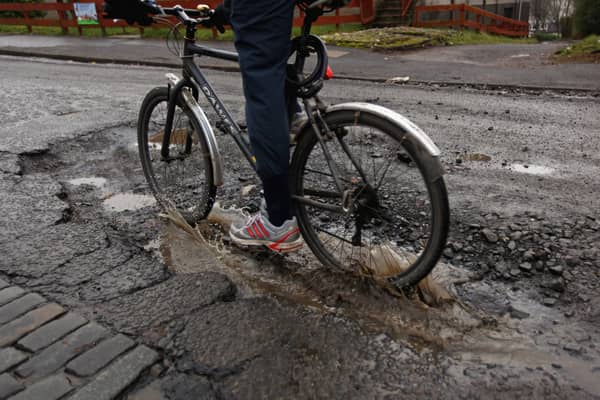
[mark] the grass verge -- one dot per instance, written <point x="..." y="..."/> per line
<point x="404" y="38"/>
<point x="586" y="50"/>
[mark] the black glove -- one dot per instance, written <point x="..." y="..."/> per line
<point x="219" y="17"/>
<point x="132" y="11"/>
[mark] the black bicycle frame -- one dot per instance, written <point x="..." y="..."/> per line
<point x="194" y="78"/>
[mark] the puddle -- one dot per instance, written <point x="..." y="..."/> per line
<point x="532" y="169"/>
<point x="92" y="181"/>
<point x="520" y="56"/>
<point x="128" y="202"/>
<point x="519" y="352"/>
<point x="299" y="278"/>
<point x="462" y="331"/>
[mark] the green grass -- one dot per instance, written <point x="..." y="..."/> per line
<point x="159" y="33"/>
<point x="587" y="49"/>
<point x="52" y="31"/>
<point x="471" y="37"/>
<point x="403" y="38"/>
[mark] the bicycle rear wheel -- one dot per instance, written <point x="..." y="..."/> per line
<point x="391" y="218"/>
<point x="185" y="180"/>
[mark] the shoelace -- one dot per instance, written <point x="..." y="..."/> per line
<point x="252" y="220"/>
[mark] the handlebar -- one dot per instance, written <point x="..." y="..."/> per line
<point x="185" y="14"/>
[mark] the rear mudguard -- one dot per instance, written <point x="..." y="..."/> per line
<point x="407" y="132"/>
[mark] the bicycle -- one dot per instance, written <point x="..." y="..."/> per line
<point x="363" y="177"/>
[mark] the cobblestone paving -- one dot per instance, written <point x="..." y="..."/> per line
<point x="48" y="353"/>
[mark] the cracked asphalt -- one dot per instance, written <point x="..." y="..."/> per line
<point x="230" y="325"/>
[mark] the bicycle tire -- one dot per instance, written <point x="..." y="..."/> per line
<point x="419" y="165"/>
<point x="194" y="195"/>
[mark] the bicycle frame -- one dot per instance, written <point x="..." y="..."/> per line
<point x="193" y="79"/>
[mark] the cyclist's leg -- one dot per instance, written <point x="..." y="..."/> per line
<point x="262" y="37"/>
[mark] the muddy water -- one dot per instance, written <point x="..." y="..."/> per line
<point x="456" y="328"/>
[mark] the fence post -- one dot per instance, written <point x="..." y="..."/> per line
<point x="98" y="5"/>
<point x="461" y="17"/>
<point x="62" y="17"/>
<point x="27" y="21"/>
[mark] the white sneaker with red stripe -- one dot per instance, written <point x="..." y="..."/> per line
<point x="258" y="231"/>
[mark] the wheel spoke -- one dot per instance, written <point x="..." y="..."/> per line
<point x="332" y="234"/>
<point x="184" y="181"/>
<point x="393" y="202"/>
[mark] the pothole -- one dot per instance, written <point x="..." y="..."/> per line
<point x="475" y="157"/>
<point x="128" y="202"/>
<point x="300" y="279"/>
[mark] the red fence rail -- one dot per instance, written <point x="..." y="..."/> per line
<point x="465" y="16"/>
<point x="358" y="11"/>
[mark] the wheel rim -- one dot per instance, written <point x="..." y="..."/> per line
<point x="181" y="181"/>
<point x="390" y="215"/>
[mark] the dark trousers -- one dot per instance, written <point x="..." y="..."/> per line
<point x="262" y="38"/>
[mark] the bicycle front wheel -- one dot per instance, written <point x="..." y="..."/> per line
<point x="390" y="218"/>
<point x="185" y="179"/>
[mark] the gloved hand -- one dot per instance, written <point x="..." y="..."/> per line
<point x="132" y="11"/>
<point x="219" y="17"/>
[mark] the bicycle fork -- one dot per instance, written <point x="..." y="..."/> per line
<point x="180" y="87"/>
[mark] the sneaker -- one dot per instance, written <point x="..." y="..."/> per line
<point x="258" y="231"/>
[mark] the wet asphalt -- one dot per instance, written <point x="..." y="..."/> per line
<point x="521" y="167"/>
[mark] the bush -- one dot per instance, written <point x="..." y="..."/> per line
<point x="545" y="36"/>
<point x="587" y="17"/>
<point x="16" y="14"/>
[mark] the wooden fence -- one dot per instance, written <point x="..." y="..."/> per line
<point x="61" y="14"/>
<point x="465" y="16"/>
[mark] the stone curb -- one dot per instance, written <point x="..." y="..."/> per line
<point x="47" y="354"/>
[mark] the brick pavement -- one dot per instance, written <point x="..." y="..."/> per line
<point x="48" y="353"/>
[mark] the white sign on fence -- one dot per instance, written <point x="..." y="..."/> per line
<point x="86" y="13"/>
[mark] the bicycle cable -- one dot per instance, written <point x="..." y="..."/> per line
<point x="173" y="38"/>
